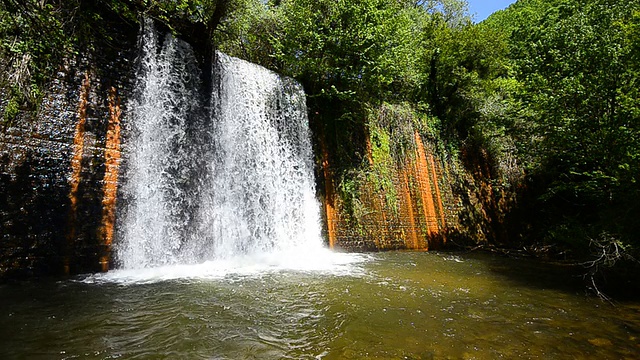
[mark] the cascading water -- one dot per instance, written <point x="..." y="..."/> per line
<point x="158" y="167"/>
<point x="261" y="196"/>
<point x="214" y="185"/>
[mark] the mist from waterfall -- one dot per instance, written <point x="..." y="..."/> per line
<point x="212" y="185"/>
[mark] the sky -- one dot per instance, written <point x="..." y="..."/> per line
<point x="481" y="9"/>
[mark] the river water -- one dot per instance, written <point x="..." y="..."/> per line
<point x="396" y="305"/>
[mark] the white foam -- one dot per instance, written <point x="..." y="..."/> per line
<point x="312" y="260"/>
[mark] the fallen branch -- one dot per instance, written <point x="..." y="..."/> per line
<point x="608" y="251"/>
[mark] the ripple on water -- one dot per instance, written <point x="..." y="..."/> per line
<point x="391" y="308"/>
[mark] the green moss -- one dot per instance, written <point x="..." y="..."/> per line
<point x="384" y="167"/>
<point x="391" y="130"/>
<point x="353" y="208"/>
<point x="11" y="110"/>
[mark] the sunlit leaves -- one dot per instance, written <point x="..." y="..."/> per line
<point x="578" y="66"/>
<point x="362" y="46"/>
<point x="28" y="58"/>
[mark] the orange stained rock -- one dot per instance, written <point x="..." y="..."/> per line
<point x="110" y="182"/>
<point x="410" y="212"/>
<point x="437" y="190"/>
<point x="422" y="175"/>
<point x="380" y="207"/>
<point x="76" y="167"/>
<point x="329" y="197"/>
<point x="378" y="200"/>
<point x="369" y="149"/>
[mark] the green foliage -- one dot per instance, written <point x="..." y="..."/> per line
<point x="384" y="165"/>
<point x="28" y="57"/>
<point x="350" y="50"/>
<point x="364" y="51"/>
<point x="11" y="110"/>
<point x="176" y="13"/>
<point x="573" y="111"/>
<point x="457" y="64"/>
<point x="248" y="30"/>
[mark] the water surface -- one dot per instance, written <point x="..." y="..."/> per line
<point x="382" y="306"/>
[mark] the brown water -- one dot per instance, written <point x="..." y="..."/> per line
<point x="388" y="306"/>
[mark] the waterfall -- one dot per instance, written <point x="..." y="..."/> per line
<point x="202" y="184"/>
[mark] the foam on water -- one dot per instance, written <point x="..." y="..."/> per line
<point x="321" y="260"/>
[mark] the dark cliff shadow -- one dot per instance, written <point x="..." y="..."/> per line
<point x="33" y="217"/>
<point x="40" y="234"/>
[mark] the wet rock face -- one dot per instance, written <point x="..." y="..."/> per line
<point x="58" y="168"/>
<point x="418" y="220"/>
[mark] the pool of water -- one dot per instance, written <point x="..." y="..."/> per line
<point x="396" y="305"/>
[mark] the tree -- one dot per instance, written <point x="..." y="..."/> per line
<point x="361" y="49"/>
<point x="28" y="58"/>
<point x="577" y="66"/>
